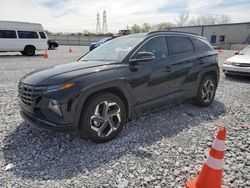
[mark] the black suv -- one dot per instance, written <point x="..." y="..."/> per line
<point x="127" y="75"/>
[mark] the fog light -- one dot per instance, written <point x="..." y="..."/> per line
<point x="54" y="105"/>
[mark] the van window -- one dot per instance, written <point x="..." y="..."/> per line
<point x="42" y="35"/>
<point x="8" y="34"/>
<point x="180" y="45"/>
<point x="27" y="34"/>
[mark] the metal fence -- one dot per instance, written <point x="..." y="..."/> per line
<point x="74" y="40"/>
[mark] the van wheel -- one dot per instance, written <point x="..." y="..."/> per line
<point x="29" y="50"/>
<point x="102" y="118"/>
<point x="206" y="91"/>
<point x="52" y="47"/>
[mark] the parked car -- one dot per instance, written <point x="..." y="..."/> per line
<point x="238" y="64"/>
<point x="23" y="37"/>
<point x="124" y="76"/>
<point x="99" y="43"/>
<point x="52" y="44"/>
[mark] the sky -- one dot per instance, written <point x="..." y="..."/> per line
<point x="80" y="15"/>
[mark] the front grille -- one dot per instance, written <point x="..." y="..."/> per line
<point x="28" y="94"/>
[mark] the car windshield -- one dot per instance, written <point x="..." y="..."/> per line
<point x="245" y="51"/>
<point x="114" y="50"/>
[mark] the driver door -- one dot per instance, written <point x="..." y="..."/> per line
<point x="151" y="79"/>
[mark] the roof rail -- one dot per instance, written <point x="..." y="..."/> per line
<point x="172" y="31"/>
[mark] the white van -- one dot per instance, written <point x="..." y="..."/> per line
<point x="22" y="37"/>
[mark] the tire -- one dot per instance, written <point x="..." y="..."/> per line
<point x="52" y="47"/>
<point x="206" y="93"/>
<point x="95" y="124"/>
<point x="23" y="52"/>
<point x="29" y="50"/>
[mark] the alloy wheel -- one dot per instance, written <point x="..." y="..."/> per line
<point x="106" y="118"/>
<point x="208" y="90"/>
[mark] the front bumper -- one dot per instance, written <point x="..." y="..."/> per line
<point x="231" y="69"/>
<point x="42" y="124"/>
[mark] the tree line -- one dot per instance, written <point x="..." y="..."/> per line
<point x="183" y="19"/>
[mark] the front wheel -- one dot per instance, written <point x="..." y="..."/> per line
<point x="102" y="117"/>
<point x="206" y="91"/>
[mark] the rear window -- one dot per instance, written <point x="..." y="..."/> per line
<point x="180" y="45"/>
<point x="42" y="35"/>
<point x="198" y="44"/>
<point x="27" y="34"/>
<point x="8" y="34"/>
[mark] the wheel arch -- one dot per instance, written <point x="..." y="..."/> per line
<point x="29" y="45"/>
<point x="121" y="91"/>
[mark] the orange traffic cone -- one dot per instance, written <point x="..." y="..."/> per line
<point x="70" y="50"/>
<point x="45" y="55"/>
<point x="210" y="175"/>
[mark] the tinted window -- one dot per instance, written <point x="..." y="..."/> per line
<point x="27" y="34"/>
<point x="7" y="34"/>
<point x="198" y="44"/>
<point x="157" y="46"/>
<point x="180" y="45"/>
<point x="42" y="35"/>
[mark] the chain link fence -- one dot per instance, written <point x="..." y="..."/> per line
<point x="74" y="40"/>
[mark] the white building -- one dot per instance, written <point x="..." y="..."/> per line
<point x="223" y="35"/>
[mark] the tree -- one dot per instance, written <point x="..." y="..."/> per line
<point x="209" y="19"/>
<point x="182" y="19"/>
<point x="164" y="25"/>
<point x="145" y="28"/>
<point x="135" y="28"/>
<point x="224" y="19"/>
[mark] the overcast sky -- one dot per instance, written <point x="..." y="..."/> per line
<point x="79" y="15"/>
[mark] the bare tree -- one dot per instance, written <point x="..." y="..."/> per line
<point x="208" y="19"/>
<point x="182" y="19"/>
<point x="224" y="19"/>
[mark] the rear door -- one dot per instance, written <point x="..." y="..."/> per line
<point x="184" y="58"/>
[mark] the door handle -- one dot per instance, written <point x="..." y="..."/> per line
<point x="169" y="68"/>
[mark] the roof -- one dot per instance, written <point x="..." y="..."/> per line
<point x="20" y="25"/>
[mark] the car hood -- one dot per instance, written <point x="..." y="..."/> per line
<point x="63" y="73"/>
<point x="245" y="59"/>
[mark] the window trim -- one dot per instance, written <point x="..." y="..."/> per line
<point x="171" y="54"/>
<point x="130" y="58"/>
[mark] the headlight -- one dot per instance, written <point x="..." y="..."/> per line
<point x="59" y="87"/>
<point x="228" y="62"/>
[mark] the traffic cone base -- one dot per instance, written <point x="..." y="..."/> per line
<point x="45" y="54"/>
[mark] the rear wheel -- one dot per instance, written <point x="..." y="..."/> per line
<point x="103" y="117"/>
<point x="29" y="50"/>
<point x="206" y="91"/>
<point x="52" y="47"/>
<point x="23" y="52"/>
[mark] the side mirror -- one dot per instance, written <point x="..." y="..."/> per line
<point x="143" y="56"/>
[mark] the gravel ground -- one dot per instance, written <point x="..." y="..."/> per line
<point x="161" y="148"/>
